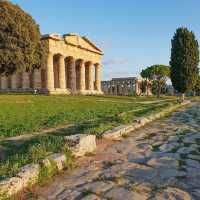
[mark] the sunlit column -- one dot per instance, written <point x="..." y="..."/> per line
<point x="49" y="71"/>
<point x="98" y="77"/>
<point x="62" y="74"/>
<point x="37" y="79"/>
<point x="25" y="80"/>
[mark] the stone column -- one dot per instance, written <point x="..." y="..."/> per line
<point x="116" y="90"/>
<point x="90" y="76"/>
<point x="50" y="74"/>
<point x="137" y="87"/>
<point x="82" y="75"/>
<point x="14" y="81"/>
<point x="72" y="71"/>
<point x="62" y="78"/>
<point x="97" y="77"/>
<point x="37" y="79"/>
<point x="25" y="80"/>
<point x="4" y="82"/>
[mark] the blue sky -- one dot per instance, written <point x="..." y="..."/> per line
<point x="132" y="33"/>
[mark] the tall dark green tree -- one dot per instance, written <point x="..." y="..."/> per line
<point x="196" y="90"/>
<point x="184" y="60"/>
<point x="20" y="45"/>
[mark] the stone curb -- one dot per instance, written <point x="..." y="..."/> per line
<point x="118" y="132"/>
<point x="29" y="174"/>
<point x="79" y="145"/>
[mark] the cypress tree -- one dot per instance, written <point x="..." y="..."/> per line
<point x="184" y="60"/>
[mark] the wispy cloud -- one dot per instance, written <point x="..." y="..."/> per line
<point x="116" y="61"/>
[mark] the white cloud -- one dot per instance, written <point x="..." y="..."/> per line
<point x="115" y="61"/>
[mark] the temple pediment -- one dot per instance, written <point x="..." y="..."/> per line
<point x="82" y="42"/>
<point x="75" y="40"/>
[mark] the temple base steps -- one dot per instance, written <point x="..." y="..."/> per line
<point x="56" y="91"/>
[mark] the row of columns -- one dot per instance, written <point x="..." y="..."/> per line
<point x="22" y="80"/>
<point x="72" y="74"/>
<point x="127" y="89"/>
<point x="69" y="77"/>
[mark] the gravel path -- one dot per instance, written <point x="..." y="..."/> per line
<point x="159" y="162"/>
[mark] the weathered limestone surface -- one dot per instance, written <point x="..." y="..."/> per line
<point x="14" y="80"/>
<point x="28" y="175"/>
<point x="25" y="81"/>
<point x="10" y="186"/>
<point x="142" y="166"/>
<point x="98" y="77"/>
<point x="50" y="72"/>
<point x="37" y="79"/>
<point x="82" y="76"/>
<point x="59" y="159"/>
<point x="4" y="82"/>
<point x="81" y="144"/>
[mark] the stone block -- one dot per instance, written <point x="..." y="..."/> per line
<point x="119" y="193"/>
<point x="173" y="193"/>
<point x="186" y="102"/>
<point x="10" y="186"/>
<point x="157" y="116"/>
<point x="115" y="133"/>
<point x="29" y="174"/>
<point x="98" y="187"/>
<point x="143" y="121"/>
<point x="59" y="159"/>
<point x="81" y="144"/>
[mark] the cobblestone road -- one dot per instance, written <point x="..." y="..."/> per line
<point x="158" y="162"/>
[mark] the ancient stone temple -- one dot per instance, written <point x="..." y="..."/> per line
<point x="73" y="67"/>
<point x="127" y="86"/>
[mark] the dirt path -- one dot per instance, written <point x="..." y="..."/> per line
<point x="159" y="162"/>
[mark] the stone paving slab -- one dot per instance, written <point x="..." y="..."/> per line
<point x="158" y="162"/>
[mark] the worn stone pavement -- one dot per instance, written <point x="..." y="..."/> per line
<point x="158" y="162"/>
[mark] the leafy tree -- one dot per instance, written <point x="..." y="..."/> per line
<point x="184" y="60"/>
<point x="158" y="74"/>
<point x="20" y="46"/>
<point x="144" y="75"/>
<point x="163" y="89"/>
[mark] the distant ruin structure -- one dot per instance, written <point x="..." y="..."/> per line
<point x="127" y="86"/>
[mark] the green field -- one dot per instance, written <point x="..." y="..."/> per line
<point x="21" y="114"/>
<point x="25" y="114"/>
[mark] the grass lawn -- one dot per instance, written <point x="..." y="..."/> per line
<point x="23" y="114"/>
<point x="20" y="114"/>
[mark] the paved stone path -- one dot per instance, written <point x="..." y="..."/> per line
<point x="159" y="162"/>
